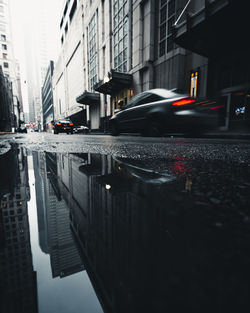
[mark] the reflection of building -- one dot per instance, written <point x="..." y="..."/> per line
<point x="39" y="162"/>
<point x="53" y="218"/>
<point x="146" y="241"/>
<point x="18" y="280"/>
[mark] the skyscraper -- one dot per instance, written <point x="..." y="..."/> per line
<point x="7" y="59"/>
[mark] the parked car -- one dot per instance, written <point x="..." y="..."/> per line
<point x="156" y="111"/>
<point x="81" y="129"/>
<point x="63" y="126"/>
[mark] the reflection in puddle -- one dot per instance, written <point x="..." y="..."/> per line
<point x="18" y="285"/>
<point x="158" y="236"/>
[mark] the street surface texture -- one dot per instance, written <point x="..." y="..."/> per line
<point x="135" y="147"/>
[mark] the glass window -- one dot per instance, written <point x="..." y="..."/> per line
<point x="2" y="27"/>
<point x="92" y="52"/>
<point x="3" y="37"/>
<point x="166" y="21"/>
<point x="120" y="24"/>
<point x="5" y="64"/>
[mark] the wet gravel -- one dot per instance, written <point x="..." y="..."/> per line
<point x="135" y="147"/>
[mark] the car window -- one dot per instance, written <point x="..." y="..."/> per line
<point x="149" y="98"/>
<point x="134" y="101"/>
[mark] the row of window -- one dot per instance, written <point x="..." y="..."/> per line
<point x="13" y="219"/>
<point x="12" y="212"/>
<point x="10" y="204"/>
<point x="120" y="35"/>
<point x="71" y="15"/>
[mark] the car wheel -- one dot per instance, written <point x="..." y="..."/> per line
<point x="114" y="130"/>
<point x="55" y="132"/>
<point x="154" y="128"/>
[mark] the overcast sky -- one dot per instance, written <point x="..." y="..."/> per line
<point x="26" y="16"/>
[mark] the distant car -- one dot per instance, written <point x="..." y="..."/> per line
<point x="63" y="126"/>
<point x="156" y="111"/>
<point x="22" y="129"/>
<point x="81" y="129"/>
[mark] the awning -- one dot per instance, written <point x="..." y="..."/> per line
<point x="114" y="82"/>
<point x="79" y="118"/>
<point x="219" y="28"/>
<point x="88" y="98"/>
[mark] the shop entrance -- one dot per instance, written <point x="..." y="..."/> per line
<point x="240" y="111"/>
<point x="235" y="110"/>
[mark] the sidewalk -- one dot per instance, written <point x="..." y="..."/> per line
<point x="6" y="133"/>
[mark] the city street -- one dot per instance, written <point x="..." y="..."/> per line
<point x="129" y="223"/>
<point x="124" y="156"/>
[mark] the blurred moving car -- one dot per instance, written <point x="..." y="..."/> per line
<point x="63" y="126"/>
<point x="81" y="129"/>
<point x="156" y="111"/>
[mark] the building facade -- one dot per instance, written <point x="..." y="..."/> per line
<point x="121" y="49"/>
<point x="6" y="103"/>
<point x="68" y="78"/>
<point x="207" y="29"/>
<point x="125" y="47"/>
<point x="9" y="64"/>
<point x="47" y="99"/>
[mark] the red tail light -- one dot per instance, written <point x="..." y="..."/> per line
<point x="183" y="102"/>
<point x="59" y="124"/>
<point x="71" y="124"/>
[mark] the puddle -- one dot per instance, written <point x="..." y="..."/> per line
<point x="84" y="232"/>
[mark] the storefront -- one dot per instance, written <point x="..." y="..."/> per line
<point x="218" y="31"/>
<point x="118" y="86"/>
<point x="92" y="100"/>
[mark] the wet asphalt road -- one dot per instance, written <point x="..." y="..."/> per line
<point x="136" y="147"/>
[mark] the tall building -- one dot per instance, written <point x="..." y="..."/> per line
<point x="39" y="50"/>
<point x="8" y="61"/>
<point x="47" y="99"/>
<point x="6" y="103"/>
<point x="122" y="48"/>
<point x="69" y="73"/>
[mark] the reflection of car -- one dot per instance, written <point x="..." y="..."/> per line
<point x="81" y="129"/>
<point x="22" y="129"/>
<point x="159" y="110"/>
<point x="63" y="126"/>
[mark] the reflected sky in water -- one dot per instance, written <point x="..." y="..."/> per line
<point x="94" y="233"/>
